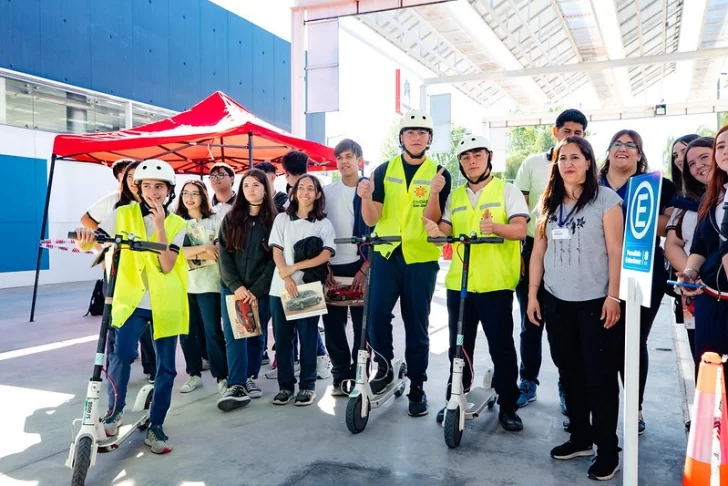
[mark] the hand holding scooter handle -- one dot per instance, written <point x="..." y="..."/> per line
<point x="473" y="239"/>
<point x="132" y="244"/>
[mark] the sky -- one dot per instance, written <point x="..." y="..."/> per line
<point x="367" y="93"/>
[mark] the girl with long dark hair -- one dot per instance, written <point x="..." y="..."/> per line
<point x="677" y="160"/>
<point x="304" y="219"/>
<point x="625" y="159"/>
<point x="575" y="265"/>
<point x="246" y="268"/>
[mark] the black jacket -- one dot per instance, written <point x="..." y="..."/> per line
<point x="307" y="249"/>
<point x="253" y="266"/>
<point x="706" y="243"/>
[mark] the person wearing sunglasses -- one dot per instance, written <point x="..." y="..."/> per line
<point x="625" y="159"/>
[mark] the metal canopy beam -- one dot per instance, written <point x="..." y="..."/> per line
<point x="582" y="67"/>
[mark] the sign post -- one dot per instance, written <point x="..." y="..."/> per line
<point x="635" y="287"/>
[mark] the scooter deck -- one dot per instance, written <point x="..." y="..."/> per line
<point x="125" y="431"/>
<point x="477" y="398"/>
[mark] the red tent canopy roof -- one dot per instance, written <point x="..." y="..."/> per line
<point x="218" y="129"/>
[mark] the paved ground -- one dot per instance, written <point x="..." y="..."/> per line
<point x="45" y="365"/>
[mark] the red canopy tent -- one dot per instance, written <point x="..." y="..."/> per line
<point x="218" y="129"/>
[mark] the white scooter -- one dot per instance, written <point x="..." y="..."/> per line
<point x="465" y="406"/>
<point x="361" y="398"/>
<point x="91" y="438"/>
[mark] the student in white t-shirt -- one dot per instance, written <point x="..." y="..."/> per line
<point x="304" y="218"/>
<point x="104" y="206"/>
<point x="222" y="179"/>
<point x="343" y="209"/>
<point x="205" y="336"/>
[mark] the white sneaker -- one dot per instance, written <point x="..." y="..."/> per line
<point x="205" y="365"/>
<point x="323" y="367"/>
<point x="222" y="386"/>
<point x="273" y="374"/>
<point x="191" y="384"/>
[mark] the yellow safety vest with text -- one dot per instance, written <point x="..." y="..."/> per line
<point x="403" y="209"/>
<point x="167" y="291"/>
<point x="493" y="266"/>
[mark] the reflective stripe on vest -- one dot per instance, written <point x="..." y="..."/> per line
<point x="494" y="266"/>
<point x="167" y="291"/>
<point x="403" y="209"/>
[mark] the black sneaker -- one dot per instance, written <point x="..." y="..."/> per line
<point x="266" y="359"/>
<point x="569" y="450"/>
<point x="283" y="397"/>
<point x="441" y="416"/>
<point x="603" y="467"/>
<point x="417" y="401"/>
<point x="510" y="420"/>
<point x="384" y="376"/>
<point x="567" y="425"/>
<point x="641" y="426"/>
<point x="235" y="397"/>
<point x="305" y="397"/>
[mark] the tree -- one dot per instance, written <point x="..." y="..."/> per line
<point x="526" y="141"/>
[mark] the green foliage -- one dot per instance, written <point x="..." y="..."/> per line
<point x="526" y="141"/>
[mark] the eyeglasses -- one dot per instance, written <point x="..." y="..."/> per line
<point x="219" y="176"/>
<point x="190" y="194"/>
<point x="628" y="145"/>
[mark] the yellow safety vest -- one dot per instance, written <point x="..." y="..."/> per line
<point x="167" y="291"/>
<point x="402" y="212"/>
<point x="493" y="266"/>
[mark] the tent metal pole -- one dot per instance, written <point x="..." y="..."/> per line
<point x="42" y="233"/>
<point x="201" y="164"/>
<point x="250" y="148"/>
<point x="222" y="149"/>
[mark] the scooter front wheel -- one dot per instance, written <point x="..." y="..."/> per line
<point x="453" y="434"/>
<point x="354" y="421"/>
<point x="82" y="460"/>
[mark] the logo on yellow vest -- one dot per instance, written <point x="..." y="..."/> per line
<point x="420" y="191"/>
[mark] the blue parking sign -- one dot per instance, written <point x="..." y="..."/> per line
<point x="643" y="199"/>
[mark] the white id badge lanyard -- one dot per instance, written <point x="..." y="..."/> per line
<point x="562" y="233"/>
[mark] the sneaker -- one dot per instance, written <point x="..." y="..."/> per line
<point x="383" y="377"/>
<point x="569" y="450"/>
<point x="235" y="397"/>
<point x="440" y="416"/>
<point x="157" y="440"/>
<point x="253" y="389"/>
<point x="417" y="401"/>
<point x="528" y="393"/>
<point x="562" y="400"/>
<point x="321" y="328"/>
<point x="266" y="359"/>
<point x="567" y="425"/>
<point x="191" y="384"/>
<point x="510" y="420"/>
<point x="604" y="467"/>
<point x="305" y="397"/>
<point x="222" y="386"/>
<point x="273" y="373"/>
<point x="640" y="426"/>
<point x="151" y="377"/>
<point x="205" y="364"/>
<point x="323" y="367"/>
<point x="283" y="397"/>
<point x="687" y="426"/>
<point x="113" y="422"/>
<point x="337" y="390"/>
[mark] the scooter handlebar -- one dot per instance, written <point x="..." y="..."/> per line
<point x="373" y="239"/>
<point x="468" y="240"/>
<point x="136" y="245"/>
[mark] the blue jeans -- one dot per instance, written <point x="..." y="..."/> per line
<point x="413" y="285"/>
<point x="307" y="332"/>
<point x="205" y="319"/>
<point x="127" y="338"/>
<point x="320" y="348"/>
<point x="242" y="363"/>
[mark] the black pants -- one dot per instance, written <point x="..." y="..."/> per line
<point x="588" y="357"/>
<point x="494" y="311"/>
<point x="343" y="357"/>
<point x="531" y="336"/>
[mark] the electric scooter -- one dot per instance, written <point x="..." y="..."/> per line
<point x="91" y="438"/>
<point x="361" y="398"/>
<point x="465" y="406"/>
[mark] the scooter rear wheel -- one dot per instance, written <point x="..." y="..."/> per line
<point x="402" y="373"/>
<point x="453" y="434"/>
<point x="81" y="460"/>
<point x="354" y="421"/>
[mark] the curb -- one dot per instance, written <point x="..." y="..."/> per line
<point x="685" y="369"/>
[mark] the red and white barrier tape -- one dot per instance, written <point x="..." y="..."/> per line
<point x="63" y="245"/>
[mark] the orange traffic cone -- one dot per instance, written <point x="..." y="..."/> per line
<point x="706" y="463"/>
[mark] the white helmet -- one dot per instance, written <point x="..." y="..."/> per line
<point x="472" y="142"/>
<point x="153" y="169"/>
<point x="416" y="119"/>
